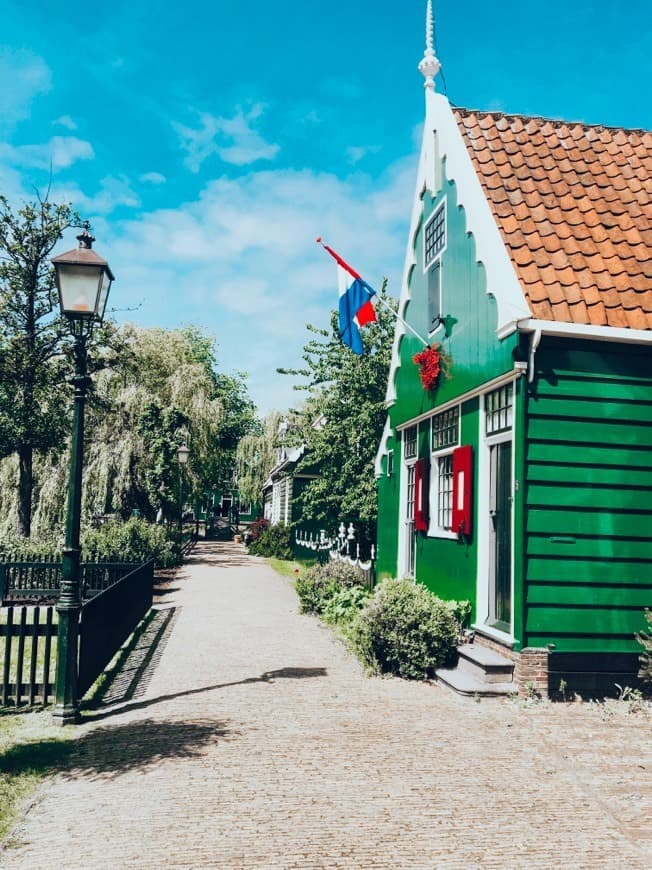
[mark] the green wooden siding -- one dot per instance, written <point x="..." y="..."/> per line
<point x="588" y="518"/>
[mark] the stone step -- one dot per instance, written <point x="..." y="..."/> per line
<point x="464" y="683"/>
<point x="484" y="664"/>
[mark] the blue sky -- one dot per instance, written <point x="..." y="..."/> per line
<point x="210" y="143"/>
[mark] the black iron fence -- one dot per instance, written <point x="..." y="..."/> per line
<point x="34" y="580"/>
<point x="108" y="619"/>
<point x="117" y="596"/>
<point x="27" y="654"/>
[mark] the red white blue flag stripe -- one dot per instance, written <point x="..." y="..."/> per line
<point x="355" y="306"/>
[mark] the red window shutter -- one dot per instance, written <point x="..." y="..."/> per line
<point x="421" y="495"/>
<point x="462" y="512"/>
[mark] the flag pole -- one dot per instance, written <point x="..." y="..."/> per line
<point x="389" y="308"/>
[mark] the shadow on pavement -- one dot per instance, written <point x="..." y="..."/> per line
<point x="114" y="749"/>
<point x="267" y="677"/>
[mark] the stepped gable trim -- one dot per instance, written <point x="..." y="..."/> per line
<point x="443" y="140"/>
<point x="573" y="204"/>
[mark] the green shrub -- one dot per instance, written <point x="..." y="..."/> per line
<point x="344" y="604"/>
<point x="645" y="659"/>
<point x="404" y="630"/>
<point x="321" y="583"/>
<point x="273" y="541"/>
<point x="133" y="541"/>
<point x="314" y="588"/>
<point x="461" y="610"/>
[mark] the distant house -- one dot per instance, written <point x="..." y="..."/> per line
<point x="279" y="488"/>
<point x="522" y="480"/>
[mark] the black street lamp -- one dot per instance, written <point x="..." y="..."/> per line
<point x="182" y="456"/>
<point x="83" y="281"/>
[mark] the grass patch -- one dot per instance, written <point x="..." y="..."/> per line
<point x="291" y="568"/>
<point x="30" y="747"/>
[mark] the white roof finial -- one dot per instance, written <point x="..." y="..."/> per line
<point x="429" y="66"/>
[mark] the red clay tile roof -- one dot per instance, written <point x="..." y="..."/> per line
<point x="573" y="204"/>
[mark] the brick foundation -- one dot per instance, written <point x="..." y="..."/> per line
<point x="531" y="672"/>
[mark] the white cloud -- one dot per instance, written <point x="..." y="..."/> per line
<point x="60" y="153"/>
<point x="66" y="121"/>
<point x="356" y="153"/>
<point x="152" y="178"/>
<point x="24" y="76"/>
<point x="113" y="192"/>
<point x="234" y="140"/>
<point x="241" y="260"/>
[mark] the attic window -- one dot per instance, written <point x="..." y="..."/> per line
<point x="435" y="235"/>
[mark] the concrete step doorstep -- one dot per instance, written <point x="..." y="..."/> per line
<point x="484" y="664"/>
<point x="466" y="684"/>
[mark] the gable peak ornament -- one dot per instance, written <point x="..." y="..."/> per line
<point x="429" y="65"/>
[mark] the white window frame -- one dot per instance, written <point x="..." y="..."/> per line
<point x="436" y="259"/>
<point x="486" y="441"/>
<point x="437" y="456"/>
<point x="409" y="460"/>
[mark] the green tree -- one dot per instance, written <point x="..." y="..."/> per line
<point x="256" y="456"/>
<point x="347" y="398"/>
<point x="33" y="394"/>
<point x="154" y="389"/>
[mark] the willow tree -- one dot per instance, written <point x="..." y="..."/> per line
<point x="256" y="456"/>
<point x="33" y="393"/>
<point x="161" y="389"/>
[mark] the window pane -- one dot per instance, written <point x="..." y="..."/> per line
<point x="435" y="235"/>
<point x="444" y="491"/>
<point x="445" y="428"/>
<point x="498" y="409"/>
<point x="410" y="450"/>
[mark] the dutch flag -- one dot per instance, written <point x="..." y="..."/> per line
<point x="355" y="307"/>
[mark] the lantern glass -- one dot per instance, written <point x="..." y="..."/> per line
<point x="182" y="455"/>
<point x="79" y="289"/>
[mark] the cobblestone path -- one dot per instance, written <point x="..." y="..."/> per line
<point x="253" y="739"/>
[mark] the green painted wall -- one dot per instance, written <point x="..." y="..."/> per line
<point x="588" y="516"/>
<point x="475" y="356"/>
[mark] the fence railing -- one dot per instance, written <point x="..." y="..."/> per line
<point x="28" y="655"/>
<point x="108" y="619"/>
<point x="341" y="547"/>
<point x="20" y="580"/>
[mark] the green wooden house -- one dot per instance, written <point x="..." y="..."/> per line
<point x="521" y="481"/>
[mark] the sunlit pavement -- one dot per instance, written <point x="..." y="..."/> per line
<point x="250" y="737"/>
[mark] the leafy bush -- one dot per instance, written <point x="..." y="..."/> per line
<point x="321" y="583"/>
<point x="256" y="529"/>
<point x="461" y="610"/>
<point x="314" y="588"/>
<point x="133" y="541"/>
<point x="29" y="549"/>
<point x="273" y="541"/>
<point x="404" y="630"/>
<point x="645" y="659"/>
<point x="344" y="604"/>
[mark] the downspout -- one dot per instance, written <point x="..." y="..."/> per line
<point x="535" y="338"/>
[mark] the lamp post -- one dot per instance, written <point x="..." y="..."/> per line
<point x="83" y="280"/>
<point x="182" y="456"/>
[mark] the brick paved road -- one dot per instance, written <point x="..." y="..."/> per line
<point x="258" y="742"/>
